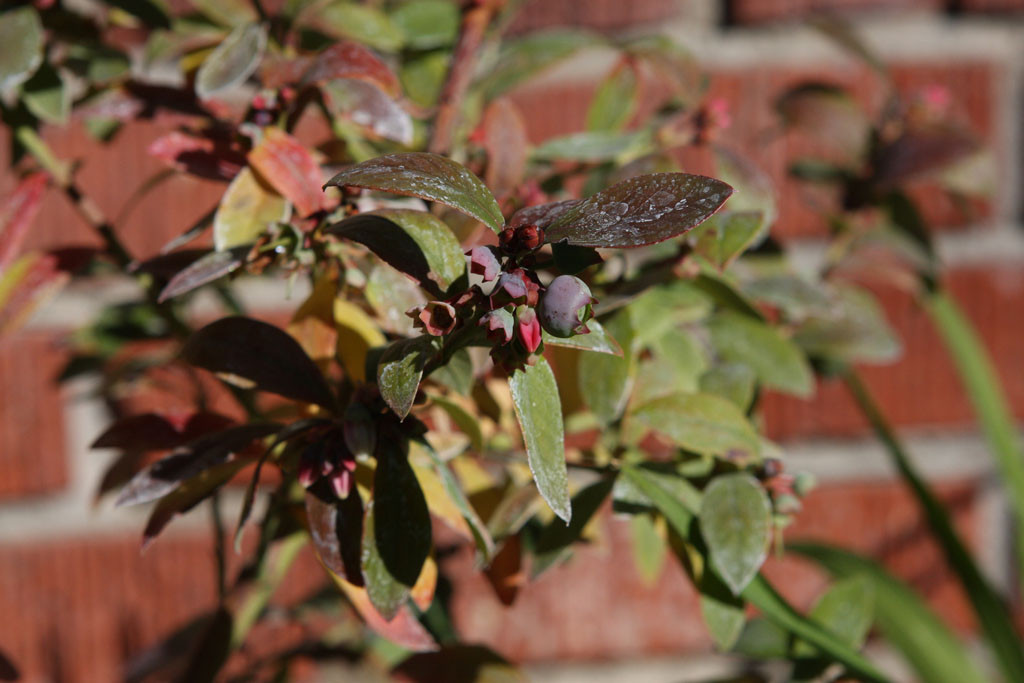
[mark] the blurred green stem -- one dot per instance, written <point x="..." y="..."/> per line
<point x="992" y="613"/>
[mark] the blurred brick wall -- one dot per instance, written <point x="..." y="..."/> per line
<point x="79" y="599"/>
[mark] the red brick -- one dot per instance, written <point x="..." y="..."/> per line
<point x="596" y="606"/>
<point x="32" y="459"/>
<point x="602" y="15"/>
<point x="765" y="11"/>
<point x="922" y="388"/>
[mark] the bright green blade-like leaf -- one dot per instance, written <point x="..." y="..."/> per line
<point x="605" y="381"/>
<point x="641" y="210"/>
<point x="257" y="354"/>
<point x="615" y="100"/>
<point x="597" y="340"/>
<point x="427" y="176"/>
<point x="427" y="23"/>
<point x="524" y="57"/>
<point x="47" y="96"/>
<point x="415" y="242"/>
<point x="735" y="519"/>
<point x="777" y="361"/>
<point x="364" y="24"/>
<point x="21" y="46"/>
<point x="233" y="61"/>
<point x="594" y="146"/>
<point x="246" y="210"/>
<point x="535" y="395"/>
<point x="723" y="237"/>
<point x="649" y="547"/>
<point x="724" y="615"/>
<point x="703" y="423"/>
<point x="935" y="653"/>
<point x="400" y="371"/>
<point x="847" y="609"/>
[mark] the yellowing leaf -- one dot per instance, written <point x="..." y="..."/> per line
<point x="247" y="209"/>
<point x="312" y="324"/>
<point x="357" y="334"/>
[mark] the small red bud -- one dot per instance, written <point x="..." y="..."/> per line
<point x="528" y="328"/>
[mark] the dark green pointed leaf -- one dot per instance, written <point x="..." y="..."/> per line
<point x="641" y="210"/>
<point x="908" y="624"/>
<point x="400" y="371"/>
<point x="414" y="242"/>
<point x="703" y="423"/>
<point x="21" y="46"/>
<point x="396" y="531"/>
<point x="256" y="354"/>
<point x="597" y="340"/>
<point x="606" y="381"/>
<point x="735" y="520"/>
<point x="777" y="361"/>
<point x="427" y="23"/>
<point x="427" y="176"/>
<point x="47" y="96"/>
<point x="233" y="61"/>
<point x="535" y="395"/>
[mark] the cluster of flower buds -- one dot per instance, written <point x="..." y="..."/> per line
<point x="328" y="458"/>
<point x="785" y="489"/>
<point x="515" y="307"/>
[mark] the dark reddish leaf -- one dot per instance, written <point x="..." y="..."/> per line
<point x="458" y="664"/>
<point x="17" y="212"/>
<point x="212" y="650"/>
<point x="918" y="152"/>
<point x="368" y="106"/>
<point x="189" y="494"/>
<point x="336" y="527"/>
<point x="25" y="285"/>
<point x="506" y="144"/>
<point x="289" y="167"/>
<point x="641" y="210"/>
<point x="213" y="266"/>
<point x="203" y="157"/>
<point x="403" y="629"/>
<point x="541" y="215"/>
<point x="505" y="572"/>
<point x="257" y="354"/>
<point x="427" y="176"/>
<point x="8" y="672"/>
<point x="277" y="71"/>
<point x="166" y="266"/>
<point x="152" y="432"/>
<point x="351" y="60"/>
<point x="190" y="460"/>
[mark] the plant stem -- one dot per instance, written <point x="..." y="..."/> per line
<point x="475" y="20"/>
<point x="993" y="616"/>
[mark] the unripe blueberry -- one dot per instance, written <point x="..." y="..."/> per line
<point x="565" y="306"/>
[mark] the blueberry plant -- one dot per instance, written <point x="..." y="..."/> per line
<point x="492" y="342"/>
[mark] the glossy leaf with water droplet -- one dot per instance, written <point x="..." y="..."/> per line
<point x="537" y="405"/>
<point x="233" y="61"/>
<point x="735" y="520"/>
<point x="427" y="176"/>
<point x="370" y="108"/>
<point x="641" y="210"/>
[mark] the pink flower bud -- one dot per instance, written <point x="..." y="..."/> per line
<point x="528" y="328"/>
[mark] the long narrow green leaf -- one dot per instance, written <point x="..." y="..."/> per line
<point x="986" y="395"/>
<point x="903" y="618"/>
<point x="759" y="592"/>
<point x="993" y="615"/>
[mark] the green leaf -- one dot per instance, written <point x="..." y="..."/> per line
<point x="906" y="622"/>
<point x="755" y="192"/>
<point x="594" y="146"/>
<point x="367" y="106"/>
<point x="233" y="61"/>
<point x="457" y="373"/>
<point x="854" y="330"/>
<point x="256" y="354"/>
<point x="153" y="13"/>
<point x="703" y="423"/>
<point x="555" y="541"/>
<point x="463" y="419"/>
<point x="427" y="23"/>
<point x="735" y="520"/>
<point x="535" y="395"/>
<point x="400" y="371"/>
<point x="776" y="360"/>
<point x="796" y="296"/>
<point x="423" y="76"/>
<point x="597" y="340"/>
<point x="732" y="381"/>
<point x="633" y="495"/>
<point x="649" y="547"/>
<point x="414" y="242"/>
<point x="229" y="13"/>
<point x="47" y="96"/>
<point x="396" y="531"/>
<point x="724" y="615"/>
<point x="391" y="294"/>
<point x="522" y="58"/>
<point x="484" y="541"/>
<point x="641" y="210"/>
<point x="428" y="176"/>
<point x="723" y="237"/>
<point x="21" y="46"/>
<point x="248" y="208"/>
<point x="206" y="269"/>
<point x="762" y="595"/>
<point x="605" y="381"/>
<point x="615" y="100"/>
<point x="364" y="24"/>
<point x="846" y="609"/>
